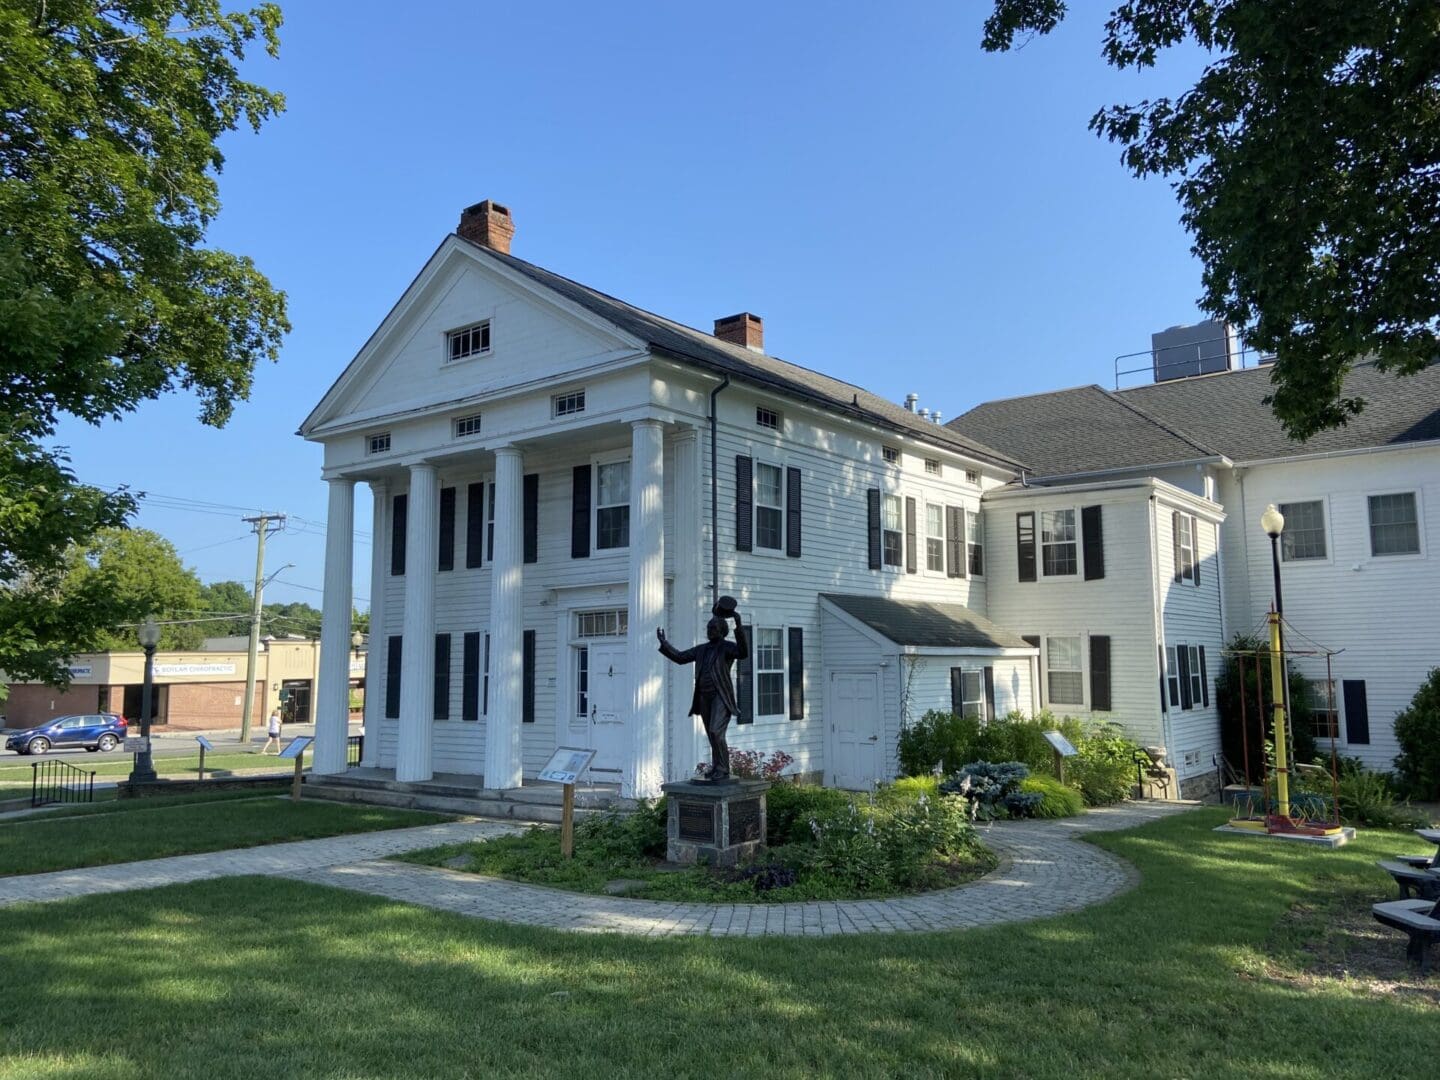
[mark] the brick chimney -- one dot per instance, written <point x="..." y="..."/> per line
<point x="743" y="329"/>
<point x="487" y="224"/>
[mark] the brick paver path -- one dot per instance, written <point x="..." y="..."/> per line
<point x="1044" y="871"/>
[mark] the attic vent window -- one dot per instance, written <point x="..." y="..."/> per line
<point x="568" y="404"/>
<point x="467" y="425"/>
<point x="471" y="341"/>
<point x="972" y="477"/>
<point x="932" y="466"/>
<point x="378" y="444"/>
<point x="767" y="418"/>
<point x="890" y="454"/>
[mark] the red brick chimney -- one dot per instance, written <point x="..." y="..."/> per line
<point x="743" y="329"/>
<point x="488" y="224"/>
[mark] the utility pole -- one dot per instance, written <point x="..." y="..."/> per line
<point x="264" y="525"/>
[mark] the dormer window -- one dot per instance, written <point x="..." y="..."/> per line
<point x="379" y="443"/>
<point x="890" y="454"/>
<point x="466" y="426"/>
<point x="471" y="341"/>
<point x="767" y="418"/>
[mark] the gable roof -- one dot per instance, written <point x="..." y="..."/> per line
<point x="1228" y="410"/>
<point x="697" y="348"/>
<point x="1083" y="430"/>
<point x="922" y="624"/>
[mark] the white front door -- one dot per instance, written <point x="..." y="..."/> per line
<point x="609" y="705"/>
<point x="853" y="708"/>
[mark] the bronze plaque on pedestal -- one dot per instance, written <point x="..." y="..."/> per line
<point x="697" y="822"/>
<point x="744" y="821"/>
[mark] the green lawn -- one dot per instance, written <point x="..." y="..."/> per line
<point x="15" y="771"/>
<point x="138" y="830"/>
<point x="1199" y="972"/>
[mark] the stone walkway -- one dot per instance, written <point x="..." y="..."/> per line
<point x="1043" y="872"/>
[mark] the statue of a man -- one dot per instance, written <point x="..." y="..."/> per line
<point x="714" y="701"/>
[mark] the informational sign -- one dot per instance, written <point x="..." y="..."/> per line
<point x="298" y="746"/>
<point x="196" y="669"/>
<point x="204" y="742"/>
<point x="81" y="671"/>
<point x="357" y="666"/>
<point x="137" y="745"/>
<point x="566" y="764"/>
<point x="1061" y="744"/>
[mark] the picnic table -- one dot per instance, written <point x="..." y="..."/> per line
<point x="1421" y="862"/>
<point x="1417" y="914"/>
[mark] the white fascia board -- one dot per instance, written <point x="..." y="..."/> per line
<point x="970" y="650"/>
<point x="1131" y="470"/>
<point x="1320" y="455"/>
<point x="1148" y="485"/>
<point x="857" y="625"/>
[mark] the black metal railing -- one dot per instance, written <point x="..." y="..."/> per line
<point x="354" y="749"/>
<point x="60" y="782"/>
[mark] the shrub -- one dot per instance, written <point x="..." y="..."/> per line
<point x="1017" y="738"/>
<point x="1104" y="767"/>
<point x="873" y="847"/>
<point x="993" y="789"/>
<point x="907" y="789"/>
<point x="614" y="834"/>
<point x="1057" y="800"/>
<point x="789" y="808"/>
<point x="752" y="764"/>
<point x="937" y="740"/>
<point x="1417" y="729"/>
<point x="1367" y="799"/>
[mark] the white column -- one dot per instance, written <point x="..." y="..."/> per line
<point x="687" y="608"/>
<point x="645" y="771"/>
<point x="417" y="651"/>
<point x="332" y="696"/>
<point x="503" y="766"/>
<point x="375" y="657"/>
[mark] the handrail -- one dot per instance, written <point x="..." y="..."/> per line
<point x="60" y="782"/>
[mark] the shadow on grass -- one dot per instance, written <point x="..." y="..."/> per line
<point x="252" y="976"/>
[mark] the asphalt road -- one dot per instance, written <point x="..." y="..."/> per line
<point x="172" y="744"/>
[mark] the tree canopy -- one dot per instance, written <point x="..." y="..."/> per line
<point x="1306" y="159"/>
<point x="110" y="116"/>
<point x="139" y="574"/>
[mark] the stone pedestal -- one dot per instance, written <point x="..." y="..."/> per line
<point x="720" y="824"/>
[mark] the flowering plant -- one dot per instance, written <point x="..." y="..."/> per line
<point x="750" y="764"/>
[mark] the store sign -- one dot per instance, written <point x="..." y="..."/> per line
<point x="195" y="669"/>
<point x="357" y="666"/>
<point x="81" y="671"/>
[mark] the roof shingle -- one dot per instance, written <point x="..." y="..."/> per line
<point x="922" y="624"/>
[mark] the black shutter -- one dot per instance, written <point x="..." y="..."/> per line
<point x="531" y="509"/>
<point x="1099" y="673"/>
<point x="797" y="673"/>
<point x="490" y="524"/>
<point x="392" y="677"/>
<point x="1164" y="707"/>
<point x="397" y="534"/>
<point x="955" y="550"/>
<point x="1175" y="543"/>
<point x="872" y="506"/>
<point x="1093" y="535"/>
<point x="442" y="676"/>
<point x="1025" y="544"/>
<point x="470" y="678"/>
<point x="1204" y="680"/>
<point x="1357" y="712"/>
<point x="957" y="693"/>
<point x="989" y="694"/>
<point x="1195" y="546"/>
<point x="485" y="685"/>
<point x="792" y="513"/>
<point x="744" y="698"/>
<point x="445" y="558"/>
<point x="911" y="565"/>
<point x="1182" y="654"/>
<point x="744" y="509"/>
<point x="580" y="512"/>
<point x="474" y="525"/>
<point x="527" y="675"/>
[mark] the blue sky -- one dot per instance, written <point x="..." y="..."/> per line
<point x="905" y="211"/>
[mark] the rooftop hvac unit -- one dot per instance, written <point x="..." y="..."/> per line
<point x="1203" y="349"/>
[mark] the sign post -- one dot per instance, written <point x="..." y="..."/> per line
<point x="1063" y="748"/>
<point x="296" y="749"/>
<point x="564" y="766"/>
<point x="205" y="744"/>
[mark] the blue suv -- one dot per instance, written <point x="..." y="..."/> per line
<point x="96" y="731"/>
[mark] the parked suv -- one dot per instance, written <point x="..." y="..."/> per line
<point x="96" y="731"/>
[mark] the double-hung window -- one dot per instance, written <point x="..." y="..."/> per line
<point x="975" y="544"/>
<point x="1172" y="672"/>
<point x="612" y="505"/>
<point x="935" y="538"/>
<point x="1064" y="673"/>
<point x="1324" y="706"/>
<point x="972" y="694"/>
<point x="1058" y="544"/>
<point x="769" y="507"/>
<point x="892" y="531"/>
<point x="1304" y="535"/>
<point x="1184" y="547"/>
<point x="1394" y="524"/>
<point x="769" y="671"/>
<point x="1197" y="680"/>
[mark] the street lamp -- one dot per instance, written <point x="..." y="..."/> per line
<point x="143" y="771"/>
<point x="1273" y="522"/>
<point x="357" y="639"/>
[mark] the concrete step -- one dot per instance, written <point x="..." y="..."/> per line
<point x="475" y="802"/>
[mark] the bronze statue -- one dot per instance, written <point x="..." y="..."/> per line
<point x="714" y="701"/>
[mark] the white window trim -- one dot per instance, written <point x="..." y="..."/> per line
<point x="1370" y="555"/>
<point x="1040" y="574"/>
<point x="756" y="460"/>
<point x="1172" y="677"/>
<point x="389" y="446"/>
<point x="899" y="456"/>
<point x="1197" y="678"/>
<point x="979" y="672"/>
<point x="446" y="362"/>
<point x="1193" y="523"/>
<point x="596" y="460"/>
<point x="753" y="630"/>
<point x="923" y="538"/>
<point x="1084" y="703"/>
<point x="456" y="421"/>
<point x="555" y="400"/>
<point x="976" y="517"/>
<point x="777" y="412"/>
<point x="892" y="493"/>
<point x="1324" y="501"/>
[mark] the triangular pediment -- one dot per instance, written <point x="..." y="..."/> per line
<point x="534" y="334"/>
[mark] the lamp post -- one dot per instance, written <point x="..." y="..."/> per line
<point x="1273" y="522"/>
<point x="143" y="771"/>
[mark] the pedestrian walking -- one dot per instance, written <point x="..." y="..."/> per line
<point x="272" y="732"/>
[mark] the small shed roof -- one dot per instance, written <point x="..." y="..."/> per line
<point x="923" y="624"/>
